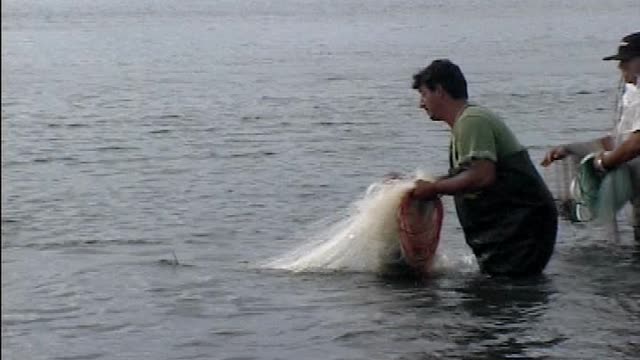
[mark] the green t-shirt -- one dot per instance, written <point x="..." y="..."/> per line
<point x="507" y="223"/>
<point x="479" y="134"/>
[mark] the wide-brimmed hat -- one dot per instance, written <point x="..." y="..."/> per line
<point x="628" y="49"/>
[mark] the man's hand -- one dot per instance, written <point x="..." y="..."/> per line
<point x="424" y="190"/>
<point x="557" y="153"/>
<point x="627" y="151"/>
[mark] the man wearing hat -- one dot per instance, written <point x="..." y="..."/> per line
<point x="622" y="147"/>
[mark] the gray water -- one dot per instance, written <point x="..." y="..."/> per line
<point x="218" y="131"/>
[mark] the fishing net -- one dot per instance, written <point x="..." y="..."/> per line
<point x="600" y="196"/>
<point x="584" y="195"/>
<point x="419" y="225"/>
<point x="564" y="172"/>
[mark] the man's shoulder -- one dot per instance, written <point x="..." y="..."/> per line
<point x="475" y="109"/>
<point x="480" y="121"/>
<point x="475" y="116"/>
<point x="480" y="112"/>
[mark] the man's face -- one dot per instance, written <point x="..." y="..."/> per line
<point x="430" y="102"/>
<point x="630" y="69"/>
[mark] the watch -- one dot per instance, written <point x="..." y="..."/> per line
<point x="598" y="162"/>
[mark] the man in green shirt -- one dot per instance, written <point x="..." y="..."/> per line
<point x="507" y="213"/>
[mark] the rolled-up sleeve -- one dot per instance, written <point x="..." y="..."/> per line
<point x="475" y="140"/>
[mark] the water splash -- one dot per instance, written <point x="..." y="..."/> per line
<point x="363" y="239"/>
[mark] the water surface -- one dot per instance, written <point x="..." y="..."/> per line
<point x="219" y="130"/>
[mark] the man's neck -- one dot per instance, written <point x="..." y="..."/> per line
<point x="456" y="108"/>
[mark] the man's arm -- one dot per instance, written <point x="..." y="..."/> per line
<point x="480" y="174"/>
<point x="628" y="150"/>
<point x="579" y="149"/>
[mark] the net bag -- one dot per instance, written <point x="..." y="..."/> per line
<point x="419" y="224"/>
<point x="600" y="195"/>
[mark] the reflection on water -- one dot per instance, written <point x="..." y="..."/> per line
<point x="506" y="313"/>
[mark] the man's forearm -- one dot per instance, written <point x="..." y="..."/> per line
<point x="628" y="150"/>
<point x="581" y="149"/>
<point x="472" y="179"/>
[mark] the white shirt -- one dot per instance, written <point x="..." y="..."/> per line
<point x="629" y="123"/>
<point x="630" y="118"/>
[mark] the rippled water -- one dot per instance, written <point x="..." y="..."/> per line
<point x="218" y="131"/>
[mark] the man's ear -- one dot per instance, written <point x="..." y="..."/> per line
<point x="439" y="90"/>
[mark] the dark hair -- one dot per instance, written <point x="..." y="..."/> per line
<point x="444" y="73"/>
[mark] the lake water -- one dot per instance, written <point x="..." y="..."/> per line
<point x="224" y="132"/>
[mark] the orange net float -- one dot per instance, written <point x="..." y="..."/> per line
<point x="419" y="223"/>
